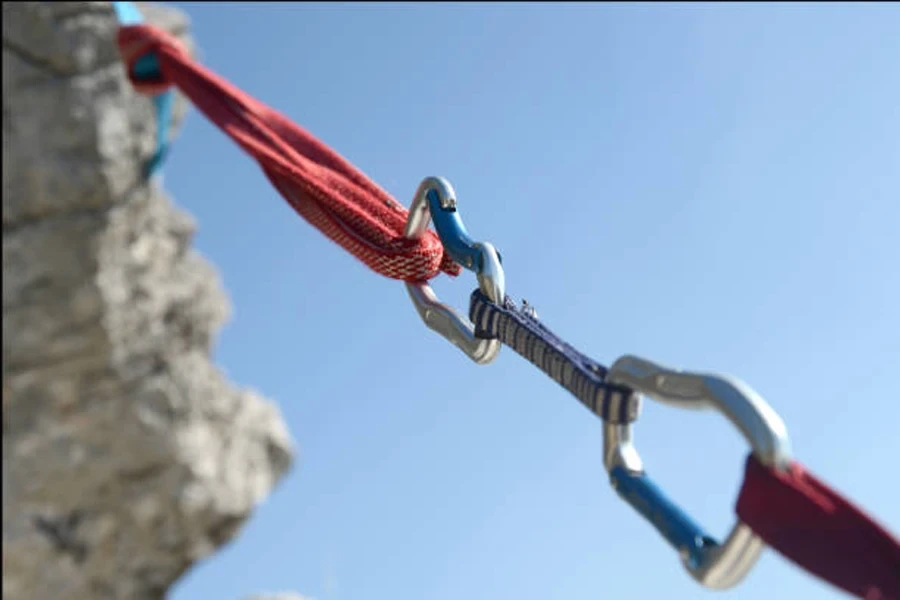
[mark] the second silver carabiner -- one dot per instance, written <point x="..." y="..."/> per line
<point x="711" y="563"/>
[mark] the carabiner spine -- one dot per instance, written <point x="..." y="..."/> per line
<point x="442" y="319"/>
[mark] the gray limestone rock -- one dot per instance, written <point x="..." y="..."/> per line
<point x="127" y="455"/>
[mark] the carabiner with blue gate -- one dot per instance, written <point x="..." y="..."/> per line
<point x="435" y="200"/>
<point x="713" y="564"/>
<point x="147" y="68"/>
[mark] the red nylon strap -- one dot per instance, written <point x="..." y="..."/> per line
<point x="813" y="526"/>
<point x="318" y="183"/>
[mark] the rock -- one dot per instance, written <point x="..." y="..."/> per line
<point x="127" y="455"/>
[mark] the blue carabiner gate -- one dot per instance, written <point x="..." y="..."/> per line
<point x="435" y="200"/>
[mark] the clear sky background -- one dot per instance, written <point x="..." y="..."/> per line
<point x="712" y="187"/>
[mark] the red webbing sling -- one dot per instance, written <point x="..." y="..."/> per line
<point x="319" y="184"/>
<point x="816" y="528"/>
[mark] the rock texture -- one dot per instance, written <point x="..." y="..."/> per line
<point x="127" y="456"/>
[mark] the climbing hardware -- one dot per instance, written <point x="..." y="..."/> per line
<point x="780" y="504"/>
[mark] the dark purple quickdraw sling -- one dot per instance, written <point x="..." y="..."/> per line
<point x="520" y="330"/>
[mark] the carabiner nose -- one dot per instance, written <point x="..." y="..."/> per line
<point x="435" y="200"/>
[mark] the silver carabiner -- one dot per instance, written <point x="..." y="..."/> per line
<point x="436" y="194"/>
<point x="713" y="564"/>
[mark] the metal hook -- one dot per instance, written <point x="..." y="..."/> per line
<point x="436" y="200"/>
<point x="713" y="564"/>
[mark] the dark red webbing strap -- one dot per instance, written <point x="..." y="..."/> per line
<point x="816" y="528"/>
<point x="319" y="184"/>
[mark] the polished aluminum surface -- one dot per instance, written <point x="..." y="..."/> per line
<point x="721" y="565"/>
<point x="438" y="316"/>
<point x="761" y="426"/>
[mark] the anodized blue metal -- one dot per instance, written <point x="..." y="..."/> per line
<point x="679" y="529"/>
<point x="453" y="234"/>
<point x="147" y="67"/>
<point x="127" y="13"/>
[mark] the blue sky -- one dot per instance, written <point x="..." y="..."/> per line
<point x="712" y="187"/>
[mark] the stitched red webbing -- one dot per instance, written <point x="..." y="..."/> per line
<point x="816" y="528"/>
<point x="318" y="183"/>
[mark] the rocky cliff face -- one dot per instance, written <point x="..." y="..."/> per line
<point x="127" y="455"/>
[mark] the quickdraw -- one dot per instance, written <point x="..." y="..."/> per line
<point x="780" y="504"/>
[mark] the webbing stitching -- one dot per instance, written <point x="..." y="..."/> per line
<point x="581" y="376"/>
